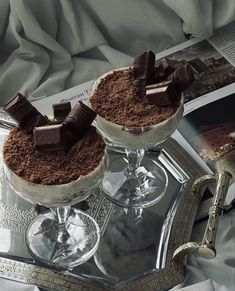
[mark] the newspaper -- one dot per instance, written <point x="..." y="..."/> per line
<point x="208" y="102"/>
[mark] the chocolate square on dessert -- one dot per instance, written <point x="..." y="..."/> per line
<point x="33" y="120"/>
<point x="50" y="138"/>
<point x="163" y="70"/>
<point x="61" y="110"/>
<point x="143" y="70"/>
<point x="78" y="121"/>
<point x="144" y="65"/>
<point x="183" y="77"/>
<point x="162" y="94"/>
<point x="139" y="87"/>
<point x="27" y="116"/>
<point x="168" y="66"/>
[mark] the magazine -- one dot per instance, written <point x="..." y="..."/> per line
<point x="207" y="130"/>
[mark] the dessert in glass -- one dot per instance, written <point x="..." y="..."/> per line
<point x="56" y="164"/>
<point x="138" y="108"/>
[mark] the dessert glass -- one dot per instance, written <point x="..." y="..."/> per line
<point x="63" y="237"/>
<point x="135" y="180"/>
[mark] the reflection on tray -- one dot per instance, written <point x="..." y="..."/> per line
<point x="136" y="241"/>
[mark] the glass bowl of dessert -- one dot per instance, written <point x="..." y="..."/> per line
<point x="138" y="108"/>
<point x="47" y="164"/>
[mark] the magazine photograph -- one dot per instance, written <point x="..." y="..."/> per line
<point x="212" y="133"/>
<point x="211" y="70"/>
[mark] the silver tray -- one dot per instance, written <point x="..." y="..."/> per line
<point x="132" y="255"/>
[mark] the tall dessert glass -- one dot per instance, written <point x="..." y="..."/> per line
<point x="63" y="237"/>
<point x="134" y="180"/>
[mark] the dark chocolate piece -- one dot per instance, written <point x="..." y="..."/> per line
<point x="139" y="87"/>
<point x="163" y="70"/>
<point x="143" y="71"/>
<point x="162" y="94"/>
<point x="183" y="77"/>
<point x="61" y="110"/>
<point x="27" y="116"/>
<point x="144" y="65"/>
<point x="50" y="138"/>
<point x="78" y="121"/>
<point x="168" y="66"/>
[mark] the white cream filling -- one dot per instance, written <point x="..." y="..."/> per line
<point x="149" y="136"/>
<point x="57" y="195"/>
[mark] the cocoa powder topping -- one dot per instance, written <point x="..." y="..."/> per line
<point x="52" y="168"/>
<point x="114" y="99"/>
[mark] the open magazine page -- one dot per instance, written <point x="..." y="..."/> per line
<point x="80" y="92"/>
<point x="208" y="128"/>
<point x="205" y="104"/>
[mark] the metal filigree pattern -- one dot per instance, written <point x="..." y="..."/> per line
<point x="99" y="208"/>
<point x="42" y="277"/>
<point x="16" y="219"/>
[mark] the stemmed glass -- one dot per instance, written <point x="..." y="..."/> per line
<point x="135" y="180"/>
<point x="63" y="237"/>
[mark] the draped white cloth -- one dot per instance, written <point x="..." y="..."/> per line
<point x="6" y="285"/>
<point x="51" y="45"/>
<point x="48" y="46"/>
<point x="217" y="274"/>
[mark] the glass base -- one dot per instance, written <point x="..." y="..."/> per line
<point x="141" y="190"/>
<point x="64" y="246"/>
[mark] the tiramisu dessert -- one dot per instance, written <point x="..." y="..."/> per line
<point x="140" y="106"/>
<point x="56" y="163"/>
<point x="53" y="162"/>
<point x="137" y="108"/>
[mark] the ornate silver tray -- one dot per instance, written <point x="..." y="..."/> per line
<point x="137" y="246"/>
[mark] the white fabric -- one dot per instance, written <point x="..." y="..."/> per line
<point x="200" y="17"/>
<point x="217" y="274"/>
<point x="6" y="285"/>
<point x="50" y="45"/>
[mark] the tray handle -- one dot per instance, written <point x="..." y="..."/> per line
<point x="206" y="249"/>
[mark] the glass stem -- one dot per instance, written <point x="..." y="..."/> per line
<point x="134" y="158"/>
<point x="62" y="214"/>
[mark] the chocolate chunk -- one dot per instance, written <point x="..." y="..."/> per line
<point x="27" y="116"/>
<point x="183" y="77"/>
<point x="144" y="65"/>
<point x="61" y="110"/>
<point x="139" y="87"/>
<point x="163" y="70"/>
<point x="143" y="71"/>
<point x="168" y="66"/>
<point x="162" y="94"/>
<point x="50" y="138"/>
<point x="78" y="121"/>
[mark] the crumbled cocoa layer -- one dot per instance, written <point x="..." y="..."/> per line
<point x="52" y="168"/>
<point x="115" y="101"/>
